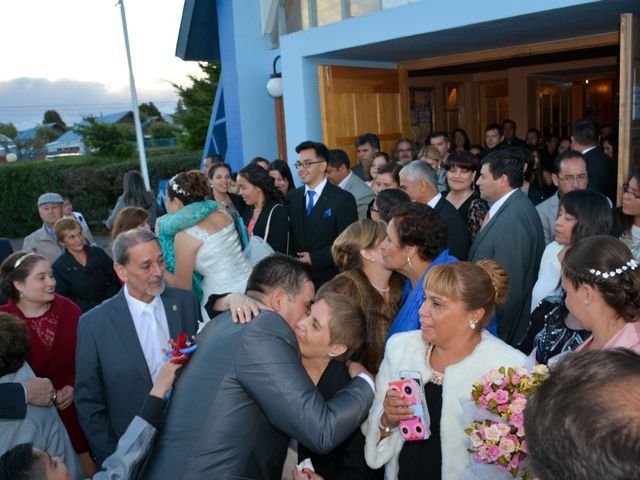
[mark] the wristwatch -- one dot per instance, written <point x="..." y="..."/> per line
<point x="386" y="429"/>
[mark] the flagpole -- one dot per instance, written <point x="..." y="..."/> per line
<point x="134" y="103"/>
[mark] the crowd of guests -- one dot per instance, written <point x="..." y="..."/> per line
<point x="436" y="264"/>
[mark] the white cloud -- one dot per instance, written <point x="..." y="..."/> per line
<point x="23" y="101"/>
<point x="70" y="53"/>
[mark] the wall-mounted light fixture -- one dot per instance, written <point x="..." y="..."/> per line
<point x="274" y="85"/>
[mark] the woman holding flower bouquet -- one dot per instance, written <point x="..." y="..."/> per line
<point x="602" y="281"/>
<point x="449" y="352"/>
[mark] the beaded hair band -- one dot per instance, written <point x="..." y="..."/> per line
<point x="177" y="188"/>
<point x="21" y="259"/>
<point x="631" y="264"/>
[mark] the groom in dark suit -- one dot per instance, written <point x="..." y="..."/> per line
<point x="318" y="212"/>
<point x="120" y="342"/>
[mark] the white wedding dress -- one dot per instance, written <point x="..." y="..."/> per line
<point x="221" y="263"/>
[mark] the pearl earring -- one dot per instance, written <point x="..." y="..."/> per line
<point x="586" y="301"/>
<point x="472" y="325"/>
<point x="409" y="262"/>
<point x="332" y="355"/>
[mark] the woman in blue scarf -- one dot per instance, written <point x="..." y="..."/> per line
<point x="416" y="241"/>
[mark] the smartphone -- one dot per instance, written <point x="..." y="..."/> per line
<point x="417" y="427"/>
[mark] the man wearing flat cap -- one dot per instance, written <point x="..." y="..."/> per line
<point x="44" y="239"/>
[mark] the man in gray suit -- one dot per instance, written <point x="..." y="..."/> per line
<point x="511" y="235"/>
<point x="339" y="173"/>
<point x="569" y="173"/>
<point x="244" y="392"/>
<point x="120" y="342"/>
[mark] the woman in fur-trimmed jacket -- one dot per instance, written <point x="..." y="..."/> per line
<point x="449" y="353"/>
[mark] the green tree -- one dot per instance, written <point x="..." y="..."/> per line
<point x="9" y="130"/>
<point x="51" y="116"/>
<point x="162" y="130"/>
<point x="194" y="107"/>
<point x="148" y="110"/>
<point x="105" y="139"/>
<point x="45" y="135"/>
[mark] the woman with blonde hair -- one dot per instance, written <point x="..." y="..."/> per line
<point x="364" y="278"/>
<point x="448" y="354"/>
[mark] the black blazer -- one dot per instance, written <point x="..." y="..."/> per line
<point x="86" y="286"/>
<point x="13" y="405"/>
<point x="334" y="211"/>
<point x="5" y="249"/>
<point x="603" y="173"/>
<point x="346" y="461"/>
<point x="457" y="234"/>
<point x="238" y="202"/>
<point x="278" y="228"/>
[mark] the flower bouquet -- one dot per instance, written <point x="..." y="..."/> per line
<point x="181" y="349"/>
<point x="497" y="432"/>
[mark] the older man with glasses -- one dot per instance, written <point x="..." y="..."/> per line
<point x="318" y="212"/>
<point x="569" y="173"/>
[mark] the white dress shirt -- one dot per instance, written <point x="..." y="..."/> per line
<point x="496" y="206"/>
<point x="318" y="191"/>
<point x="434" y="201"/>
<point x="345" y="180"/>
<point x="150" y="322"/>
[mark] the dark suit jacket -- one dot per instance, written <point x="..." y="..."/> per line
<point x="334" y="211"/>
<point x="602" y="172"/>
<point x="87" y="286"/>
<point x="358" y="170"/>
<point x="5" y="249"/>
<point x="457" y="234"/>
<point x="346" y="461"/>
<point x="112" y="377"/>
<point x="241" y="396"/>
<point x="515" y="239"/>
<point x="278" y="228"/>
<point x="13" y="405"/>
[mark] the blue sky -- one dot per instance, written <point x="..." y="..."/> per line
<point x="69" y="55"/>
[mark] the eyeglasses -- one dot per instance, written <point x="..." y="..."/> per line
<point x="404" y="150"/>
<point x="306" y="164"/>
<point x="573" y="178"/>
<point x="635" y="193"/>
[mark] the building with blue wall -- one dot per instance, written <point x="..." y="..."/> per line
<point x="569" y="38"/>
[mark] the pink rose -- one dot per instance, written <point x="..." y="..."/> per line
<point x="492" y="433"/>
<point x="515" y="379"/>
<point x="507" y="446"/>
<point x="523" y="446"/>
<point x="501" y="396"/>
<point x="518" y="405"/>
<point x="517" y="420"/>
<point x="494" y="453"/>
<point x="487" y="389"/>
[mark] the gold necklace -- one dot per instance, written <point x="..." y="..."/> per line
<point x="436" y="376"/>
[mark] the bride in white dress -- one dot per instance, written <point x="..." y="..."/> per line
<point x="211" y="247"/>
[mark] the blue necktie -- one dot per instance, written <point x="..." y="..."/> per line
<point x="311" y="193"/>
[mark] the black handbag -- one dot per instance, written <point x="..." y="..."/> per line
<point x="547" y="331"/>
